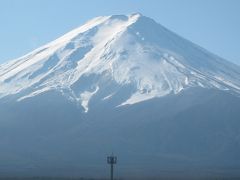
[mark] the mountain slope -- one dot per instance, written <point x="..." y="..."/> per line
<point x="195" y="132"/>
<point x="125" y="50"/>
<point x="121" y="84"/>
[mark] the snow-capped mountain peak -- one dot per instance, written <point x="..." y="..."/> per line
<point x="108" y="54"/>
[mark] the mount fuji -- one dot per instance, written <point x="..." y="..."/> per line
<point x="122" y="84"/>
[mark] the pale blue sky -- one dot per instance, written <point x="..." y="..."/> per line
<point x="28" y="24"/>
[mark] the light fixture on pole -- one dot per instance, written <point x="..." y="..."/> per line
<point x="111" y="160"/>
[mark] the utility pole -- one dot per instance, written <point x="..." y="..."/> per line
<point x="111" y="160"/>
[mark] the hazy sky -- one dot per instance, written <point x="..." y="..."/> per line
<point x="28" y="24"/>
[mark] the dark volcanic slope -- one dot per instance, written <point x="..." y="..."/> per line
<point x="197" y="130"/>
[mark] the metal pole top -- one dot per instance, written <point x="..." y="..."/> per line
<point x="112" y="159"/>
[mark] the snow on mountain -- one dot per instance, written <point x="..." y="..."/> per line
<point x="128" y="51"/>
<point x="94" y="91"/>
